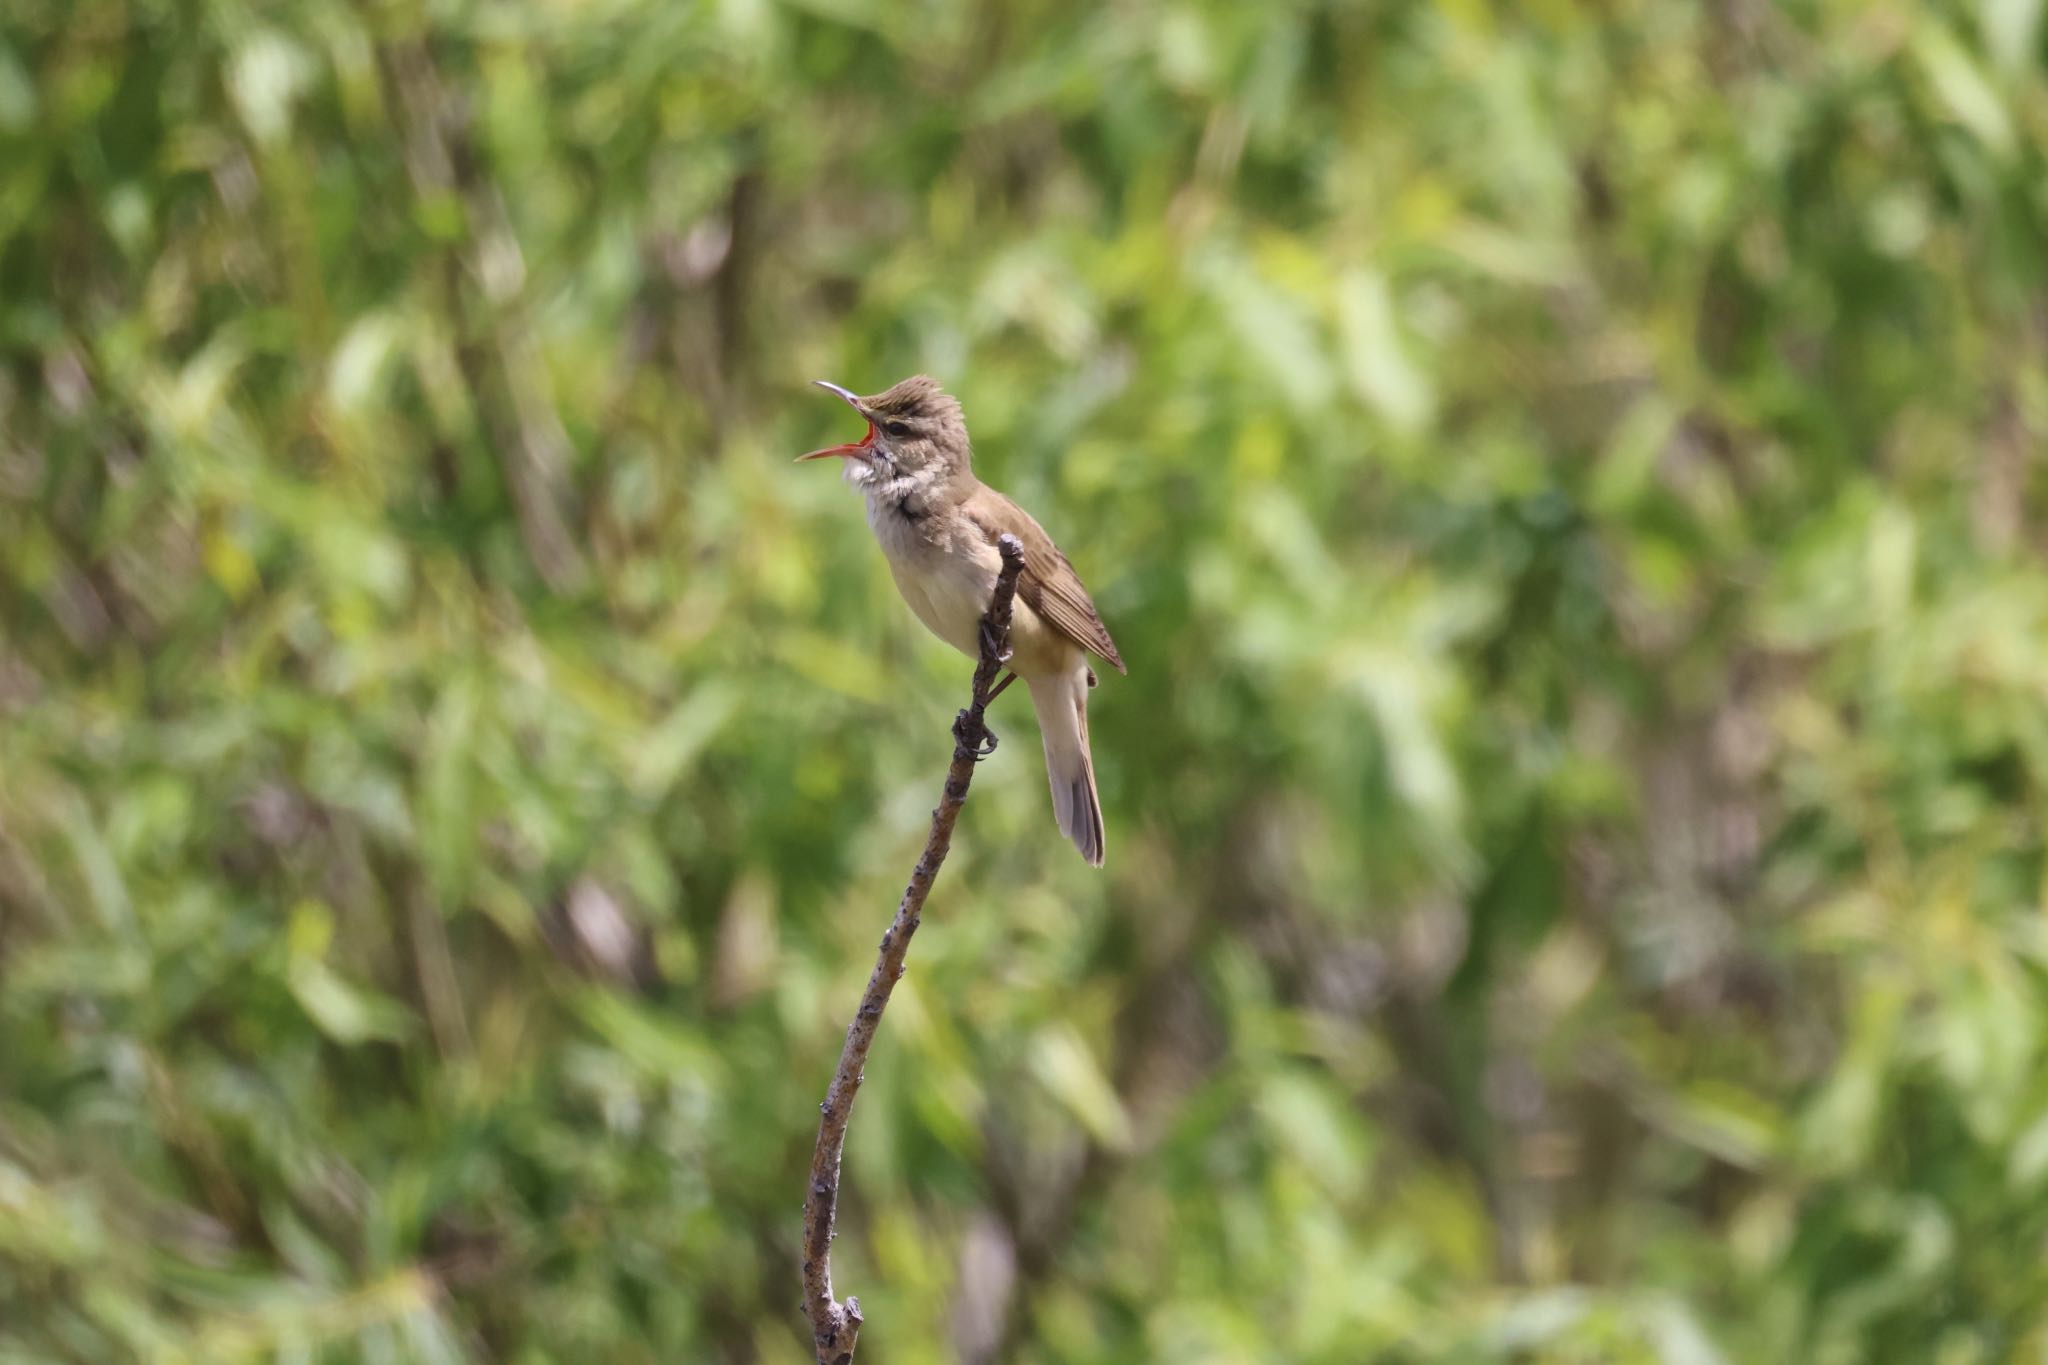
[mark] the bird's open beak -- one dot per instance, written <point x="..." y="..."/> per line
<point x="863" y="449"/>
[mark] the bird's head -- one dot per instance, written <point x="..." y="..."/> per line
<point x="916" y="436"/>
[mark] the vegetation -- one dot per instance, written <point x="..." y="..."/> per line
<point x="1566" y="480"/>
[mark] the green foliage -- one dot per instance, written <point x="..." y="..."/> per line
<point x="1566" y="482"/>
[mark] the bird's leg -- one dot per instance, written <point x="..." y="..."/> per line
<point x="997" y="690"/>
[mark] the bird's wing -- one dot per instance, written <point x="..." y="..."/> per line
<point x="1048" y="583"/>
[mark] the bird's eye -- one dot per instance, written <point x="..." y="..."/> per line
<point x="896" y="428"/>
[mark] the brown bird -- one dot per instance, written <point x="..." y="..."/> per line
<point x="938" y="525"/>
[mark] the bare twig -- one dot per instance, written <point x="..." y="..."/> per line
<point x="835" y="1327"/>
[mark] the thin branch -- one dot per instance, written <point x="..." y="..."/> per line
<point x="835" y="1327"/>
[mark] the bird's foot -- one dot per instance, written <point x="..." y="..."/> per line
<point x="991" y="647"/>
<point x="962" y="740"/>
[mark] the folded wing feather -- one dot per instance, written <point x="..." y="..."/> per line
<point x="1048" y="584"/>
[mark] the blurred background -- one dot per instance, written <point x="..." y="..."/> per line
<point x="1567" y="480"/>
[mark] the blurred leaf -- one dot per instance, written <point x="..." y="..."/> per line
<point x="1970" y="97"/>
<point x="1064" y="1066"/>
<point x="1377" y="357"/>
<point x="668" y="748"/>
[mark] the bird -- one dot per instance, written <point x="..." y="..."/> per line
<point x="938" y="525"/>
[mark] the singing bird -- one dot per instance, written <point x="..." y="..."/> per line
<point x="937" y="525"/>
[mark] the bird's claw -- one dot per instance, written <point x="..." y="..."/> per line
<point x="979" y="751"/>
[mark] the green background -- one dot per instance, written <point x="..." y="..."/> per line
<point x="1566" y="479"/>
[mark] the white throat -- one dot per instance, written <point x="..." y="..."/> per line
<point x="890" y="489"/>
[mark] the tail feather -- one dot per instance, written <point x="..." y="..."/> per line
<point x="1061" y="701"/>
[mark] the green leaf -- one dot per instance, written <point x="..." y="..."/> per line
<point x="1064" y="1066"/>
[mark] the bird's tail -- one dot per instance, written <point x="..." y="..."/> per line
<point x="1061" y="700"/>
